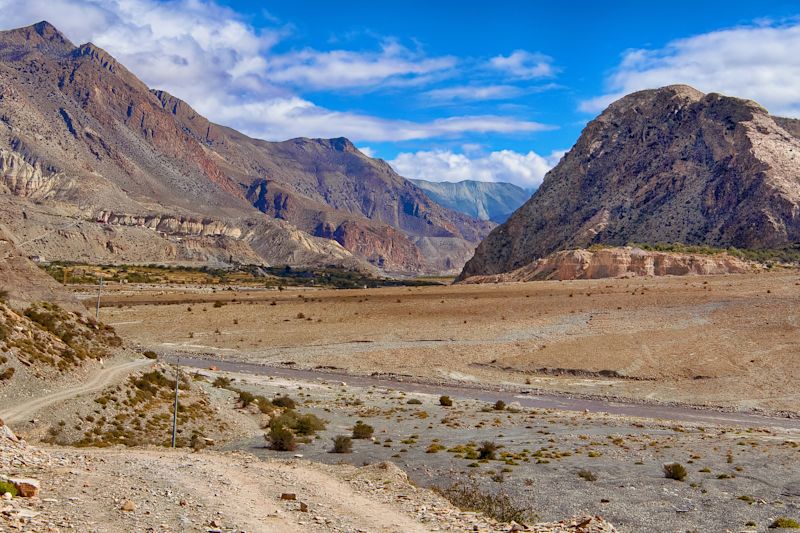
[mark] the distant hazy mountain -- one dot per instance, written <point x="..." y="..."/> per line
<point x="479" y="199"/>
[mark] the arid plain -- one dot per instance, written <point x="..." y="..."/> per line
<point x="726" y="341"/>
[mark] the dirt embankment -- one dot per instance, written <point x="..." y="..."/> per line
<point x="620" y="262"/>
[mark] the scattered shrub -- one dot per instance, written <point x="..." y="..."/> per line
<point x="285" y="402"/>
<point x="445" y="401"/>
<point x="498" y="505"/>
<point x="785" y="523"/>
<point x="587" y="475"/>
<point x="218" y="304"/>
<point x="7" y="374"/>
<point x="499" y="405"/>
<point x="150" y="354"/>
<point x="281" y="438"/>
<point x="342" y="444"/>
<point x="414" y="401"/>
<point x="222" y="382"/>
<point x="246" y="398"/>
<point x="675" y="471"/>
<point x="488" y="450"/>
<point x="303" y="425"/>
<point x="362" y="430"/>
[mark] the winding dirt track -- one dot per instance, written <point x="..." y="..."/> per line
<point x="98" y="381"/>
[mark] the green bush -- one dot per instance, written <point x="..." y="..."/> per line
<point x="785" y="523"/>
<point x="285" y="402"/>
<point x="342" y="444"/>
<point x="222" y="382"/>
<point x="675" y="471"/>
<point x="246" y="398"/>
<point x="303" y="425"/>
<point x="5" y="486"/>
<point x="281" y="438"/>
<point x="445" y="401"/>
<point x="362" y="430"/>
<point x="150" y="354"/>
<point x="499" y="405"/>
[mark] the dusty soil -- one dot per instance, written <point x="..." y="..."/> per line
<point x="726" y="341"/>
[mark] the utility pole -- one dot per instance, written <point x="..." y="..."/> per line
<point x="175" y="411"/>
<point x="99" y="290"/>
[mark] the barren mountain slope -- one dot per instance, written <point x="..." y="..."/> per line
<point x="329" y="188"/>
<point x="84" y="142"/>
<point x="665" y="165"/>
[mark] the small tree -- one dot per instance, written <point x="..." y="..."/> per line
<point x="499" y="405"/>
<point x="342" y="444"/>
<point x="362" y="430"/>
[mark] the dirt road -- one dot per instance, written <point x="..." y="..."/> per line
<point x="98" y="381"/>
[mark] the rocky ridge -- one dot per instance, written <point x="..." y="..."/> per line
<point x="665" y="165"/>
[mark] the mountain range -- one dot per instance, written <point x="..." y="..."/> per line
<point x="668" y="165"/>
<point x="485" y="200"/>
<point x="96" y="166"/>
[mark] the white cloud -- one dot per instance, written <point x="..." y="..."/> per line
<point x="524" y="65"/>
<point x="525" y="170"/>
<point x="474" y="92"/>
<point x="367" y="151"/>
<point x="339" y="69"/>
<point x="756" y="62"/>
<point x="207" y="55"/>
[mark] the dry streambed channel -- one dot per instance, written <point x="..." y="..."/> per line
<point x="556" y="455"/>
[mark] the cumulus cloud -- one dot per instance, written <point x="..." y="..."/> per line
<point x="207" y="55"/>
<point x="524" y="170"/>
<point x="524" y="65"/>
<point x="756" y="62"/>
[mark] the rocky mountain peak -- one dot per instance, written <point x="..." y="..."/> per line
<point x="662" y="165"/>
<point x="42" y="36"/>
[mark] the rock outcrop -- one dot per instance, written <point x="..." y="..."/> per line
<point x="665" y="165"/>
<point x="619" y="262"/>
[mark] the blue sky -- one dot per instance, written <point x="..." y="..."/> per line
<point x="443" y="90"/>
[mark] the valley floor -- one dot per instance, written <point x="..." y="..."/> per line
<point x="724" y="341"/>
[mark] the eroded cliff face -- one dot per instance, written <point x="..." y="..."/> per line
<point x="663" y="165"/>
<point x="172" y="225"/>
<point x="22" y="178"/>
<point x="619" y="262"/>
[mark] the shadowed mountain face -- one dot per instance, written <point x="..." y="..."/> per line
<point x="664" y="165"/>
<point x="112" y="171"/>
<point x="480" y="199"/>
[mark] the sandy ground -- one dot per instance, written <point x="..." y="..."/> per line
<point x="728" y="341"/>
